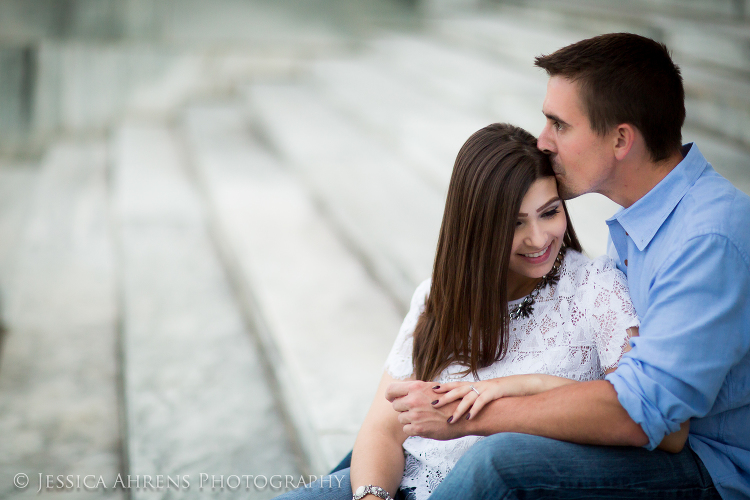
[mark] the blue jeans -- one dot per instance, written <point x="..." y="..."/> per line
<point x="519" y="466"/>
<point x="335" y="486"/>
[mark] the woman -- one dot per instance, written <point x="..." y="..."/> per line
<point x="512" y="308"/>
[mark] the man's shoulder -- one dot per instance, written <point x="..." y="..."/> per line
<point x="712" y="206"/>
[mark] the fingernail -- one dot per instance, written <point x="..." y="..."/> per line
<point x="435" y="402"/>
<point x="468" y="416"/>
<point x="450" y="419"/>
<point x="436" y="387"/>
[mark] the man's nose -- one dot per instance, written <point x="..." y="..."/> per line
<point x="544" y="143"/>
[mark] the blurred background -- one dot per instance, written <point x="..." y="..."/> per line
<point x="213" y="214"/>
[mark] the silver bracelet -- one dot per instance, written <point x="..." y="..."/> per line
<point x="371" y="490"/>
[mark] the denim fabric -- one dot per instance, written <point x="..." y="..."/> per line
<point x="344" y="464"/>
<point x="519" y="466"/>
<point x="336" y="486"/>
<point x="332" y="487"/>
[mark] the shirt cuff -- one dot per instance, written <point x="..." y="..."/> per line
<point x="642" y="411"/>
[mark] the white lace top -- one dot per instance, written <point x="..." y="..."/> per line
<point x="578" y="331"/>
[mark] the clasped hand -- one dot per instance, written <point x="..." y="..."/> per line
<point x="441" y="411"/>
<point x="417" y="414"/>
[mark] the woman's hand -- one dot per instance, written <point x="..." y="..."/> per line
<point x="488" y="390"/>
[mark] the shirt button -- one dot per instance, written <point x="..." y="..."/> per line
<point x="626" y="262"/>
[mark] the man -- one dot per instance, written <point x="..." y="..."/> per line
<point x="615" y="109"/>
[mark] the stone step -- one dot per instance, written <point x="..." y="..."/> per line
<point x="16" y="97"/>
<point x="327" y="327"/>
<point x="511" y="39"/>
<point x="426" y="99"/>
<point x="694" y="36"/>
<point x="718" y="105"/>
<point x="730" y="160"/>
<point x="717" y="93"/>
<point x="82" y="87"/>
<point x="470" y="80"/>
<point x="59" y="403"/>
<point x="198" y="401"/>
<point x="85" y="88"/>
<point x="380" y="205"/>
<point x="17" y="183"/>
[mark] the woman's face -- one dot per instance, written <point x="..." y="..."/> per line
<point x="539" y="232"/>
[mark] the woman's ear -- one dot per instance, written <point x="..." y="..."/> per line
<point x="624" y="137"/>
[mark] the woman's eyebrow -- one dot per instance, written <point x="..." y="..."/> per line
<point x="550" y="202"/>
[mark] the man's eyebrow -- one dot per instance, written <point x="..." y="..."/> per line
<point x="550" y="202"/>
<point x="554" y="118"/>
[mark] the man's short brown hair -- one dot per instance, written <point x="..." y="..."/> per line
<point x="626" y="78"/>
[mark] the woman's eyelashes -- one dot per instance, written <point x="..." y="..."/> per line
<point x="549" y="214"/>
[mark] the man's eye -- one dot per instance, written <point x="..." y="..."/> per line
<point x="557" y="125"/>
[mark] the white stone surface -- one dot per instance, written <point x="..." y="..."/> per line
<point x="383" y="207"/>
<point x="58" y="399"/>
<point x="198" y="400"/>
<point x="328" y="325"/>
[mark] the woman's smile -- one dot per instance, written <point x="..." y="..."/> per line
<point x="538" y="257"/>
<point x="539" y="233"/>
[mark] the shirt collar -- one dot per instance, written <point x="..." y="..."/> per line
<point x="643" y="218"/>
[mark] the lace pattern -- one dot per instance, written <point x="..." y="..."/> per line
<point x="578" y="330"/>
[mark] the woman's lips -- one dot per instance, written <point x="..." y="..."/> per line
<point x="538" y="260"/>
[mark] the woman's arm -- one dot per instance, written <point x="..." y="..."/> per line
<point x="378" y="456"/>
<point x="492" y="389"/>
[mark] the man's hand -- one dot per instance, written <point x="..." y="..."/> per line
<point x="413" y="400"/>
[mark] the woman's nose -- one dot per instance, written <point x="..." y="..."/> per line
<point x="535" y="237"/>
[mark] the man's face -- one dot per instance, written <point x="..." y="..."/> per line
<point x="582" y="160"/>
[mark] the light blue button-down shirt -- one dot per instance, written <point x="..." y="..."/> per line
<point x="685" y="248"/>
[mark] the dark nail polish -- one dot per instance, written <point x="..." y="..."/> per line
<point x="450" y="419"/>
<point x="435" y="402"/>
<point x="468" y="416"/>
<point x="436" y="387"/>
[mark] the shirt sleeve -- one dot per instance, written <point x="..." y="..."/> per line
<point x="399" y="362"/>
<point x="691" y="335"/>
<point x="610" y="311"/>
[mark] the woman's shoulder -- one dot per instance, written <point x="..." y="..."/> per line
<point x="583" y="271"/>
<point x="420" y="294"/>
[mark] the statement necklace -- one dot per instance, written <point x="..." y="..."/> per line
<point x="526" y="307"/>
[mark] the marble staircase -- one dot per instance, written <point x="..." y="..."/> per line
<point x="210" y="283"/>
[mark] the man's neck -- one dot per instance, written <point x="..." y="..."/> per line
<point x="638" y="176"/>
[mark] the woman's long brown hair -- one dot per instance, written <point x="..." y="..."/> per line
<point x="465" y="320"/>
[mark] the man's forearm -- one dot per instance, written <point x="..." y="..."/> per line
<point x="586" y="413"/>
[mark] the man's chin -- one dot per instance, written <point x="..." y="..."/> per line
<point x="566" y="191"/>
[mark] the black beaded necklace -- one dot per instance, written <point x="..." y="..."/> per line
<point x="526" y="307"/>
